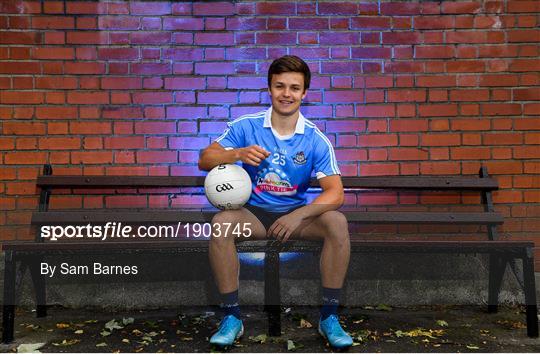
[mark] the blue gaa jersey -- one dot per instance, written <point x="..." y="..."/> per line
<point x="280" y="182"/>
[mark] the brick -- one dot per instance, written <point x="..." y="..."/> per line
<point x="152" y="97"/>
<point x="245" y="23"/>
<point x="21" y="97"/>
<point x="276" y="38"/>
<point x="156" y="157"/>
<point x="93" y="157"/>
<point x="400" y="38"/>
<point x="25" y="158"/>
<point x="433" y="22"/>
<point x="217" y="97"/>
<point x="214" y="39"/>
<point x="469" y="95"/>
<point x="20" y="37"/>
<point x="523" y="6"/>
<point x="468" y="7"/>
<point x="408" y="125"/>
<point x="117" y="53"/>
<point x="526" y="152"/>
<point x="404" y="154"/>
<point x="87" y="37"/>
<point x="521" y="65"/>
<point x="532" y="94"/>
<point x="498" y="80"/>
<point x="59" y="143"/>
<point x="345" y="126"/>
<point x="406" y="95"/>
<point x="183" y="23"/>
<point x="445" y="139"/>
<point x="214" y="9"/>
<point x="189" y="143"/>
<point x="84" y="68"/>
<point x="90" y="128"/>
<point x="217" y="68"/>
<point x="495" y="109"/>
<point x="465" y="66"/>
<point x="98" y="97"/>
<point x="53" y="22"/>
<point x="85" y="7"/>
<point x="437" y="110"/>
<point x="155" y="128"/>
<point x="343" y="96"/>
<point x="20" y="67"/>
<point x="308" y="23"/>
<point x="150" y="38"/>
<point x="18" y="188"/>
<point x="151" y="68"/>
<point x="434" y="52"/>
<point x="275" y="8"/>
<point x="468" y="153"/>
<point x="122" y="112"/>
<point x="370" y="140"/>
<point x="52" y="112"/>
<point x="150" y="8"/>
<point x="53" y="53"/>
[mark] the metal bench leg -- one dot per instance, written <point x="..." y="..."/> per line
<point x="272" y="297"/>
<point x="38" y="280"/>
<point x="497" y="266"/>
<point x="9" y="298"/>
<point x="530" y="295"/>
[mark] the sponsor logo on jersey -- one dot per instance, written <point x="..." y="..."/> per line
<point x="269" y="180"/>
<point x="299" y="158"/>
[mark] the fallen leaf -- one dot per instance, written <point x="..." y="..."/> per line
<point x="32" y="327"/>
<point x="67" y="342"/>
<point x="472" y="347"/>
<point x="62" y="325"/>
<point x="126" y="321"/>
<point x="105" y="333"/>
<point x="112" y="325"/>
<point x="90" y="321"/>
<point x="261" y="338"/>
<point x="305" y="324"/>
<point x="125" y="340"/>
<point x="442" y="323"/>
<point x="137" y="332"/>
<point x="30" y="347"/>
<point x="102" y="344"/>
<point x="383" y="307"/>
<point x="79" y="331"/>
<point x="290" y="345"/>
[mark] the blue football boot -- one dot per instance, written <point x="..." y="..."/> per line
<point x="332" y="331"/>
<point x="229" y="330"/>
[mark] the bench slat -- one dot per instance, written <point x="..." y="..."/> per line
<point x="174" y="216"/>
<point x="370" y="182"/>
<point x="260" y="246"/>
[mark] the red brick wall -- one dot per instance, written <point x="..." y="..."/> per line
<point x="400" y="88"/>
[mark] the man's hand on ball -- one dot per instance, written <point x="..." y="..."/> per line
<point x="252" y="155"/>
<point x="283" y="227"/>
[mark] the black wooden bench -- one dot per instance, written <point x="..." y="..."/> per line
<point x="501" y="252"/>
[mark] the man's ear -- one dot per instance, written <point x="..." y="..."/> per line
<point x="304" y="94"/>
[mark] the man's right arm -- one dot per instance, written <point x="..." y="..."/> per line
<point x="215" y="155"/>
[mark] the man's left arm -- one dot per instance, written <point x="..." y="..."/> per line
<point x="331" y="198"/>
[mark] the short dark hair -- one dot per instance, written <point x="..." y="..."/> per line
<point x="289" y="63"/>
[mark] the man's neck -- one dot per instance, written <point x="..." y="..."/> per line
<point x="284" y="125"/>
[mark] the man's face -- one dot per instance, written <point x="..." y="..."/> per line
<point x="287" y="92"/>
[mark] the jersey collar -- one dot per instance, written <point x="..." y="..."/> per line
<point x="300" y="123"/>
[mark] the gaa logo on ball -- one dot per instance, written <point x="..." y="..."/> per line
<point x="227" y="187"/>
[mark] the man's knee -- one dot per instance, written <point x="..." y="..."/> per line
<point x="335" y="224"/>
<point x="223" y="223"/>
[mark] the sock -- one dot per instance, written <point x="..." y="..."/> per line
<point x="229" y="304"/>
<point x="330" y="302"/>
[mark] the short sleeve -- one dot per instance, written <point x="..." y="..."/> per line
<point x="233" y="137"/>
<point x="324" y="159"/>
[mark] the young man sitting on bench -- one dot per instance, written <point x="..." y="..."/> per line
<point x="280" y="149"/>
